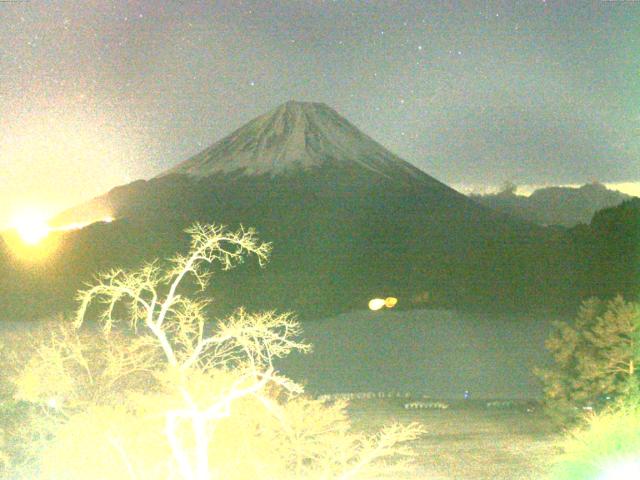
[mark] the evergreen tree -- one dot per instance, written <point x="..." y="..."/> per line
<point x="595" y="359"/>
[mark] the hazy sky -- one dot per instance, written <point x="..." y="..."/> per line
<point x="98" y="93"/>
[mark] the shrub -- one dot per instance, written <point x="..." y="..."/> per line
<point x="604" y="448"/>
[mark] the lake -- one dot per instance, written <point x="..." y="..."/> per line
<point x="439" y="353"/>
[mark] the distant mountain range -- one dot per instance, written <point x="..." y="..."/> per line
<point x="565" y="206"/>
<point x="348" y="219"/>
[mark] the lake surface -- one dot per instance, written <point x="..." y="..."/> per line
<point x="440" y="353"/>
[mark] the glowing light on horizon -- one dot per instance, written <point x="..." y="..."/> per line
<point x="45" y="148"/>
<point x="31" y="226"/>
<point x="29" y="233"/>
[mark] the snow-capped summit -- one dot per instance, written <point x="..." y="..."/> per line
<point x="295" y="135"/>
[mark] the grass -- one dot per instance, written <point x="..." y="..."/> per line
<point x="469" y="441"/>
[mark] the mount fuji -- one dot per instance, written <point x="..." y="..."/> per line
<point x="297" y="139"/>
<point x="348" y="220"/>
<point x="296" y="136"/>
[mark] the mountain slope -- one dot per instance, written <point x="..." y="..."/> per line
<point x="295" y="136"/>
<point x="348" y="220"/>
<point x="291" y="140"/>
<point x="610" y="247"/>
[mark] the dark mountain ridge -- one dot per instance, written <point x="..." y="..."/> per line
<point x="566" y="206"/>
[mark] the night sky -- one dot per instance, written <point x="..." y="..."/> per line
<point x="99" y="93"/>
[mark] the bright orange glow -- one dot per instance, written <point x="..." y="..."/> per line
<point x="31" y="226"/>
<point x="29" y="247"/>
<point x="31" y="238"/>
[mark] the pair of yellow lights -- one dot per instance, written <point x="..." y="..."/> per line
<point x="378" y="303"/>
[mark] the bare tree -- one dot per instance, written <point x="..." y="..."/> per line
<point x="210" y="373"/>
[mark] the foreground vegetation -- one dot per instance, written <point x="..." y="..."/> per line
<point x="593" y="386"/>
<point x="595" y="360"/>
<point x="156" y="392"/>
<point x="152" y="389"/>
<point x="606" y="448"/>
